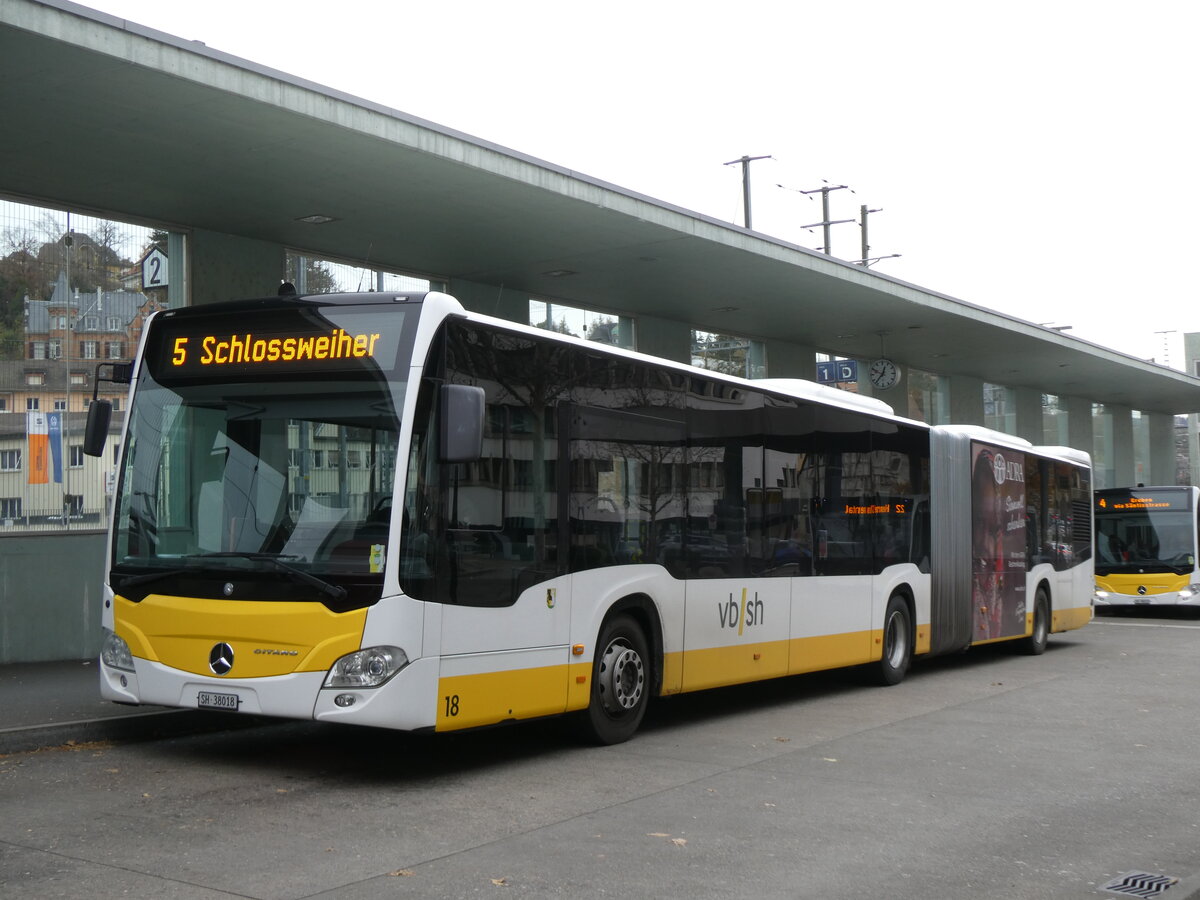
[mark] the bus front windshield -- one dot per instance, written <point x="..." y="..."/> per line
<point x="277" y="485"/>
<point x="1145" y="541"/>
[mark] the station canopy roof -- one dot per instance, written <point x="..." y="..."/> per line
<point x="107" y="115"/>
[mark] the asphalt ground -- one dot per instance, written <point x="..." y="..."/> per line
<point x="985" y="775"/>
<point x="49" y="704"/>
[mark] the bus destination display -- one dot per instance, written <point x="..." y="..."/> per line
<point x="247" y="349"/>
<point x="1119" y="501"/>
<point x="207" y="347"/>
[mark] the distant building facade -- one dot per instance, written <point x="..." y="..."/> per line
<point x="45" y="396"/>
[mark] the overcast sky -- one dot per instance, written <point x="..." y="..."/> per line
<point x="1036" y="158"/>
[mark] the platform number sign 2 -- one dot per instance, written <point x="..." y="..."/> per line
<point x="154" y="269"/>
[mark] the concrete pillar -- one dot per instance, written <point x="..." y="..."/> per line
<point x="226" y="267"/>
<point x="1079" y="423"/>
<point x="1191" y="354"/>
<point x="491" y="300"/>
<point x="966" y="400"/>
<point x="1122" y="425"/>
<point x="1162" y="462"/>
<point x="1029" y="414"/>
<point x="791" y="360"/>
<point x="178" y="270"/>
<point x="664" y="337"/>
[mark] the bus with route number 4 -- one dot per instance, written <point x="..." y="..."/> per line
<point x="382" y="509"/>
<point x="1146" y="547"/>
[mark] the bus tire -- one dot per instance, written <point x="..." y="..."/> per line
<point x="620" y="689"/>
<point x="897" y="642"/>
<point x="1035" y="644"/>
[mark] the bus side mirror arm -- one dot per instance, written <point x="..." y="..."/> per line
<point x="100" y="411"/>
<point x="462" y="418"/>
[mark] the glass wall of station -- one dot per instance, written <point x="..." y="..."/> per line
<point x="605" y="328"/>
<point x="311" y="274"/>
<point x="1055" y="422"/>
<point x="1000" y="408"/>
<point x="75" y="290"/>
<point x="928" y="397"/>
<point x="729" y="354"/>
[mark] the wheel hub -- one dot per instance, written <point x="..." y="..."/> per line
<point x="895" y="640"/>
<point x="622" y="678"/>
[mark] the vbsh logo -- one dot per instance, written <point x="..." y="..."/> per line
<point x="740" y="616"/>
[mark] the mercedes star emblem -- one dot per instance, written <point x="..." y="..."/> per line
<point x="220" y="659"/>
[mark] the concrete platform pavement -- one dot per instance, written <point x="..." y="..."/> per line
<point x="50" y="704"/>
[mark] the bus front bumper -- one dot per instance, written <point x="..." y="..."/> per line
<point x="405" y="702"/>
<point x="1188" y="597"/>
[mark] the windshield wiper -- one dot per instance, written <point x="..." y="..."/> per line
<point x="129" y="581"/>
<point x="334" y="591"/>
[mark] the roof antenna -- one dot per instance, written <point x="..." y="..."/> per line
<point x="365" y="269"/>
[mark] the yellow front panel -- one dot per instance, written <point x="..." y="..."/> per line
<point x="267" y="638"/>
<point x="1154" y="583"/>
<point x="466" y="701"/>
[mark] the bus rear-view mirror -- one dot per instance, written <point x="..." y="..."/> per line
<point x="96" y="432"/>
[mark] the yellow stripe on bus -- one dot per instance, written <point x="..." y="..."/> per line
<point x="832" y="651"/>
<point x="736" y="664"/>
<point x="267" y="638"/>
<point x="467" y="701"/>
<point x="741" y="663"/>
<point x="1066" y="619"/>
<point x="488" y="698"/>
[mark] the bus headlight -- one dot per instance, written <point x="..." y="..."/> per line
<point x="1189" y="592"/>
<point x="114" y="652"/>
<point x="1101" y="595"/>
<point x="366" y="668"/>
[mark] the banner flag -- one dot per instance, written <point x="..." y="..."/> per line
<point x="38" y="464"/>
<point x="54" y="426"/>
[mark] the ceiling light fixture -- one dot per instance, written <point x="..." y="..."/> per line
<point x="560" y="273"/>
<point x="316" y="219"/>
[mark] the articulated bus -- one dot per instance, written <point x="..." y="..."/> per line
<point x="383" y="509"/>
<point x="1146" y="547"/>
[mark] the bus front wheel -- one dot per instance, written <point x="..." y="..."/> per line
<point x="620" y="682"/>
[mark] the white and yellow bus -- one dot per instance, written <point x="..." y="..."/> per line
<point x="1146" y="547"/>
<point x="382" y="509"/>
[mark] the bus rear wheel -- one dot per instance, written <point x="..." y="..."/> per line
<point x="620" y="682"/>
<point x="897" y="642"/>
<point x="1035" y="644"/>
